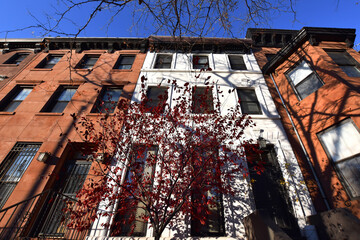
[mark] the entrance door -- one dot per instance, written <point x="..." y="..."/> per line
<point x="269" y="190"/>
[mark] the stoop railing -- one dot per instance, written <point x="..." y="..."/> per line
<point x="41" y="217"/>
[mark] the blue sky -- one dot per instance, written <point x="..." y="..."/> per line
<point x="311" y="13"/>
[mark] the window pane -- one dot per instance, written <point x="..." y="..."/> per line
<point x="14" y="166"/>
<point x="23" y="93"/>
<point x="156" y="97"/>
<point x="308" y="86"/>
<point x="202" y="100"/>
<point x="108" y="101"/>
<point x="88" y="62"/>
<point x="300" y="73"/>
<point x="59" y="107"/>
<point x="350" y="170"/>
<point x="248" y="101"/>
<point x="125" y="62"/>
<point x="52" y="61"/>
<point x="237" y="62"/>
<point x="341" y="141"/>
<point x="200" y="62"/>
<point x="340" y="58"/>
<point x="67" y="94"/>
<point x="17" y="58"/>
<point x="351" y="71"/>
<point x="20" y="95"/>
<point x="163" y="61"/>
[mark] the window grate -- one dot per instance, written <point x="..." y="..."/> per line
<point x="14" y="166"/>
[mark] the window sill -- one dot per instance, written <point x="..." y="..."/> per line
<point x="48" y="114"/>
<point x="41" y="69"/>
<point x="99" y="114"/>
<point x="9" y="65"/>
<point x="121" y="70"/>
<point x="7" y="113"/>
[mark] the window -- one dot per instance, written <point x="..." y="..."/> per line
<point x="88" y="62"/>
<point x="304" y="80"/>
<point x="345" y="62"/>
<point x="50" y="61"/>
<point x="156" y="99"/>
<point x="163" y="61"/>
<point x="17" y="58"/>
<point x="237" y="62"/>
<point x="53" y="220"/>
<point x="108" y="100"/>
<point x="341" y="143"/>
<point x="14" y="98"/>
<point x="200" y="62"/>
<point x="125" y="62"/>
<point x="207" y="191"/>
<point x="202" y="100"/>
<point x="142" y="168"/>
<point x="59" y="100"/>
<point x="14" y="166"/>
<point x="248" y="101"/>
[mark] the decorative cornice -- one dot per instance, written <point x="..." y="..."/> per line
<point x="314" y="36"/>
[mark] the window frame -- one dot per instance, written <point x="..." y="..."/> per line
<point x="135" y="158"/>
<point x="95" y="108"/>
<point x="338" y="171"/>
<point x="13" y="60"/>
<point x="83" y="61"/>
<point x="44" y="64"/>
<point x="207" y="152"/>
<point x="202" y="108"/>
<point x="53" y="100"/>
<point x="149" y="100"/>
<point x="200" y="55"/>
<point x="118" y="62"/>
<point x="257" y="101"/>
<point x="163" y="54"/>
<point x="9" y="98"/>
<point x="235" y="56"/>
<point x="314" y="73"/>
<point x="352" y="62"/>
<point x="12" y="161"/>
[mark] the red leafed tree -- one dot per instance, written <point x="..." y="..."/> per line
<point x="155" y="162"/>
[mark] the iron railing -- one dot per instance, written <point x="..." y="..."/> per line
<point x="40" y="216"/>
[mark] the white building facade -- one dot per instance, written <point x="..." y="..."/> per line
<point x="235" y="71"/>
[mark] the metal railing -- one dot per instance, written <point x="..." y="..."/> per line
<point x="40" y="216"/>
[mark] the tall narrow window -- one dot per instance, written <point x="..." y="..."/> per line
<point x="156" y="99"/>
<point x="200" y="62"/>
<point x="304" y="80"/>
<point x="345" y="62"/>
<point x="248" y="101"/>
<point x="17" y="58"/>
<point x="269" y="194"/>
<point x="341" y="143"/>
<point x="59" y="100"/>
<point x="206" y="191"/>
<point x="141" y="169"/>
<point x="202" y="100"/>
<point x="163" y="61"/>
<point x="108" y="100"/>
<point x="237" y="62"/>
<point x="88" y="62"/>
<point x="14" y="98"/>
<point x="50" y="61"/>
<point x="14" y="166"/>
<point x="125" y="62"/>
<point x="53" y="223"/>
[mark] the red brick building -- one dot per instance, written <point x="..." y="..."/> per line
<point x="38" y="143"/>
<point x="314" y="78"/>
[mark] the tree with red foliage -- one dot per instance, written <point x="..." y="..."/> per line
<point x="157" y="162"/>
